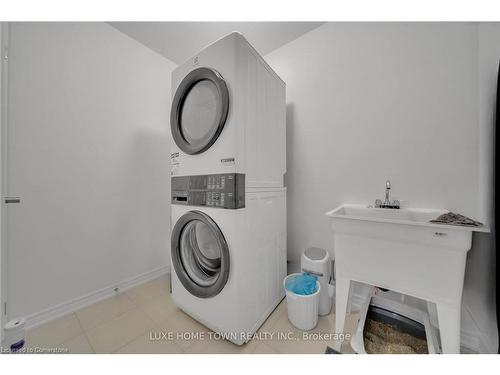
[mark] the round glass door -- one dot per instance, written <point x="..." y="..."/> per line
<point x="199" y="110"/>
<point x="200" y="254"/>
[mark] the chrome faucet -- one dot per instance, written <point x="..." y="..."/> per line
<point x="387" y="190"/>
<point x="387" y="202"/>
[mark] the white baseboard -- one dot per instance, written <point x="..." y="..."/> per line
<point x="76" y="304"/>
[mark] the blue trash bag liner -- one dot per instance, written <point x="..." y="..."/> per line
<point x="303" y="284"/>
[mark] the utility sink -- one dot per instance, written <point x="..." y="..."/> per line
<point x="404" y="216"/>
<point x="399" y="249"/>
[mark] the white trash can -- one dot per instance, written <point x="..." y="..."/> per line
<point x="302" y="309"/>
<point x="317" y="262"/>
<point x="14" y="335"/>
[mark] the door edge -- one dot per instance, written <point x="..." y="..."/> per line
<point x="4" y="38"/>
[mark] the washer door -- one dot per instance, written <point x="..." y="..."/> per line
<point x="199" y="110"/>
<point x="200" y="254"/>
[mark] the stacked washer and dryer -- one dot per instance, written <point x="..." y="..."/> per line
<point x="228" y="160"/>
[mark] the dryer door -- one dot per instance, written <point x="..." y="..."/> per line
<point x="199" y="110"/>
<point x="200" y="254"/>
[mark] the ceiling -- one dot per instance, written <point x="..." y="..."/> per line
<point x="178" y="41"/>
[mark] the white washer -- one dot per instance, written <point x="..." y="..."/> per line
<point x="228" y="115"/>
<point x="228" y="265"/>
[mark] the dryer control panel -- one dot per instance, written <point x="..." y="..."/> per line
<point x="225" y="190"/>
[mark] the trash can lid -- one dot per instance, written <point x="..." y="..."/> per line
<point x="15" y="324"/>
<point x="316" y="253"/>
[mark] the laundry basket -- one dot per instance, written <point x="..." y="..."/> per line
<point x="302" y="309"/>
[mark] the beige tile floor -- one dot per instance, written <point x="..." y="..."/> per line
<point x="124" y="323"/>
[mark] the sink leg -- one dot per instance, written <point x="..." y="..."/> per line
<point x="432" y="311"/>
<point x="449" y="327"/>
<point x="341" y="298"/>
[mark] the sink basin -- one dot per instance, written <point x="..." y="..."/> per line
<point x="402" y="251"/>
<point x="406" y="216"/>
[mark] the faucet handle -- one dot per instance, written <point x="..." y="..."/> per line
<point x="388" y="184"/>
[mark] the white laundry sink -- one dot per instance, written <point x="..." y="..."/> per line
<point x="399" y="249"/>
<point x="405" y="216"/>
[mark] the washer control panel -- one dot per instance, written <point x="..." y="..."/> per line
<point x="225" y="190"/>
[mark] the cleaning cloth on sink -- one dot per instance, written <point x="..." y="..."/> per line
<point x="451" y="218"/>
<point x="303" y="284"/>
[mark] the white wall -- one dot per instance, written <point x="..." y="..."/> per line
<point x="374" y="101"/>
<point x="480" y="281"/>
<point x="370" y="102"/>
<point x="89" y="155"/>
<point x="2" y="317"/>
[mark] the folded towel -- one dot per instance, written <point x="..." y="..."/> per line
<point x="451" y="218"/>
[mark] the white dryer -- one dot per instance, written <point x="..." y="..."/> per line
<point x="228" y="265"/>
<point x="228" y="115"/>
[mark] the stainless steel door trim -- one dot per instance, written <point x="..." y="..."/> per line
<point x="179" y="268"/>
<point x="195" y="76"/>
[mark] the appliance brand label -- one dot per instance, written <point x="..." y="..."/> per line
<point x="227" y="161"/>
